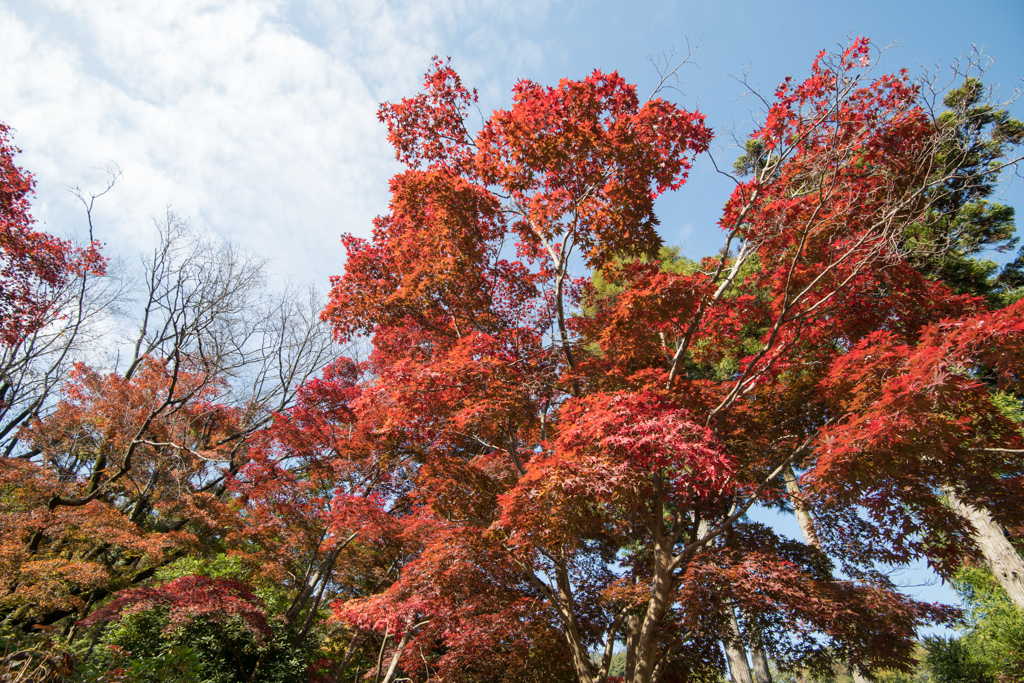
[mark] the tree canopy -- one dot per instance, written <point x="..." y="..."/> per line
<point x="541" y="467"/>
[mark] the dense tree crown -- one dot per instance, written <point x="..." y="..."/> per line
<point x="541" y="467"/>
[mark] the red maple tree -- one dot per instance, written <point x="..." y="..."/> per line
<point x="588" y="453"/>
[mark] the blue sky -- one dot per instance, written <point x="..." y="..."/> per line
<point x="770" y="40"/>
<point x="257" y="118"/>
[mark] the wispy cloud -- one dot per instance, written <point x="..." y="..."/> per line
<point x="253" y="117"/>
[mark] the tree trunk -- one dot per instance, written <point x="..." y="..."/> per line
<point x="739" y="667"/>
<point x="632" y="633"/>
<point x="762" y="673"/>
<point x="393" y="668"/>
<point x="1001" y="557"/>
<point x="580" y="655"/>
<point x="803" y="513"/>
<point x="649" y="656"/>
<point x="336" y="678"/>
<point x="806" y="522"/>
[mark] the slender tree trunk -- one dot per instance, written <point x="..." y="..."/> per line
<point x="762" y="672"/>
<point x="803" y="513"/>
<point x="393" y="669"/>
<point x="806" y="522"/>
<point x="1002" y="558"/>
<point x="580" y="656"/>
<point x="648" y="655"/>
<point x="736" y="653"/>
<point x="739" y="667"/>
<point x="336" y="678"/>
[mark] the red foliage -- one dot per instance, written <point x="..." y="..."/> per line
<point x="920" y="418"/>
<point x="124" y="466"/>
<point x="190" y="599"/>
<point x="588" y="470"/>
<point x="31" y="263"/>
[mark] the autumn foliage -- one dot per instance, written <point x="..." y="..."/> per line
<point x="33" y="262"/>
<point x="594" y="452"/>
<point x="546" y="458"/>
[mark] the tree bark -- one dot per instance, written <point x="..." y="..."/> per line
<point x="648" y="654"/>
<point x="336" y="677"/>
<point x="739" y="667"/>
<point x="806" y="522"/>
<point x="632" y="633"/>
<point x="393" y="669"/>
<point x="762" y="673"/>
<point x="803" y="513"/>
<point x="1002" y="558"/>
<point x="580" y="655"/>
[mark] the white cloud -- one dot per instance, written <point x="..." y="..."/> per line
<point x="256" y="118"/>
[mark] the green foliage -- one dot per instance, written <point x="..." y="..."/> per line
<point x="842" y="674"/>
<point x="217" y="567"/>
<point x="755" y="158"/>
<point x="951" y="661"/>
<point x="618" y="665"/>
<point x="222" y="566"/>
<point x="992" y="647"/>
<point x="963" y="221"/>
<point x="145" y="647"/>
<point x="920" y="674"/>
<point x="1009" y="405"/>
<point x="146" y="651"/>
<point x="176" y="664"/>
<point x="997" y="625"/>
<point x="670" y="260"/>
<point x="602" y="288"/>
